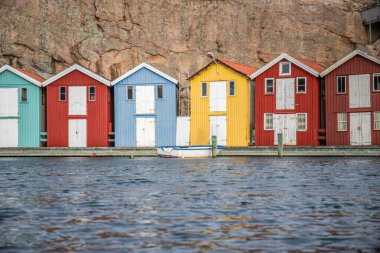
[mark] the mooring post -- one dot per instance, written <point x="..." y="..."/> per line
<point x="280" y="144"/>
<point x="214" y="146"/>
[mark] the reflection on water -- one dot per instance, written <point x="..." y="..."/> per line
<point x="153" y="204"/>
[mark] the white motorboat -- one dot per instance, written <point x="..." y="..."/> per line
<point x="186" y="152"/>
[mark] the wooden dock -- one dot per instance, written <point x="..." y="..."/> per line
<point x="347" y="151"/>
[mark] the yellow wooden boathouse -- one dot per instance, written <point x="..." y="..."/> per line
<point x="220" y="104"/>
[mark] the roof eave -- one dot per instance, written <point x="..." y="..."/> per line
<point x="80" y="69"/>
<point x="144" y="65"/>
<point x="19" y="73"/>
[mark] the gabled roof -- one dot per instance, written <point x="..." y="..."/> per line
<point x="27" y="75"/>
<point x="245" y="70"/>
<point x="79" y="68"/>
<point x="144" y="65"/>
<point x="347" y="58"/>
<point x="308" y="66"/>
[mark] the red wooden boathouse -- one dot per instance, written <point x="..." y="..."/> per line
<point x="287" y="101"/>
<point x="352" y="88"/>
<point x="78" y="109"/>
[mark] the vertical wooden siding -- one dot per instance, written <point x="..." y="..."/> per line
<point x="125" y="110"/>
<point x="98" y="112"/>
<point x="238" y="111"/>
<point x="29" y="112"/>
<point x="336" y="103"/>
<point x="304" y="103"/>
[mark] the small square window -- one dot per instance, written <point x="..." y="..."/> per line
<point x="160" y="90"/>
<point x="341" y="85"/>
<point x="62" y="93"/>
<point x="129" y="92"/>
<point x="342" y="121"/>
<point x="285" y="68"/>
<point x="204" y="89"/>
<point x="376" y="82"/>
<point x="24" y="95"/>
<point x="376" y="120"/>
<point x="269" y="86"/>
<point x="268" y="124"/>
<point x="301" y="85"/>
<point x="232" y="88"/>
<point x="92" y="93"/>
<point x="301" y="122"/>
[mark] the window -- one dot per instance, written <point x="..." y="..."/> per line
<point x="160" y="89"/>
<point x="376" y="82"/>
<point x="92" y="93"/>
<point x="341" y="80"/>
<point x="269" y="86"/>
<point x="24" y="95"/>
<point x="301" y="121"/>
<point x="285" y="68"/>
<point x="376" y="120"/>
<point x="342" y="121"/>
<point x="268" y="121"/>
<point x="129" y="92"/>
<point x="62" y="93"/>
<point x="301" y="85"/>
<point x="204" y="89"/>
<point x="232" y="88"/>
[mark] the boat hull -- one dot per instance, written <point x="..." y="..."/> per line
<point x="185" y="152"/>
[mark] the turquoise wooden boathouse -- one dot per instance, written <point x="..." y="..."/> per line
<point x="145" y="108"/>
<point x="20" y="108"/>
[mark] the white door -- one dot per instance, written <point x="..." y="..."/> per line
<point x="183" y="131"/>
<point x="9" y="102"/>
<point x="8" y="133"/>
<point x="145" y="100"/>
<point x="360" y="128"/>
<point x="78" y="100"/>
<point x="218" y="97"/>
<point x="77" y="133"/>
<point x="287" y="125"/>
<point x="359" y="91"/>
<point x="145" y="132"/>
<point x="218" y="127"/>
<point x="285" y="94"/>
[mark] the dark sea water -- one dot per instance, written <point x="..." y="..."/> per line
<point x="225" y="204"/>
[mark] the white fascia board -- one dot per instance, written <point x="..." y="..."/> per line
<point x="20" y="74"/>
<point x="145" y="65"/>
<point x="79" y="68"/>
<point x="289" y="58"/>
<point x="347" y="58"/>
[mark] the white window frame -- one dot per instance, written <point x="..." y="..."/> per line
<point x="59" y="93"/>
<point x="301" y="92"/>
<point x="162" y="92"/>
<point x="374" y="75"/>
<point x="265" y="91"/>
<point x="302" y="130"/>
<point x="89" y="94"/>
<point x="202" y="89"/>
<point x="337" y="85"/>
<point x="337" y="122"/>
<point x="374" y="120"/>
<point x="127" y="90"/>
<point x="229" y="88"/>
<point x="265" y="122"/>
<point x="290" y="68"/>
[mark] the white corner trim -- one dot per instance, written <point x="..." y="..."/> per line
<point x="79" y="68"/>
<point x="348" y="57"/>
<point x="20" y="74"/>
<point x="144" y="65"/>
<point x="289" y="58"/>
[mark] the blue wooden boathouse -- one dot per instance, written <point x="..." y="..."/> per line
<point x="145" y="108"/>
<point x="20" y="108"/>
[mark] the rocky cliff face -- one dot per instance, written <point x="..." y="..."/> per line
<point x="112" y="36"/>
